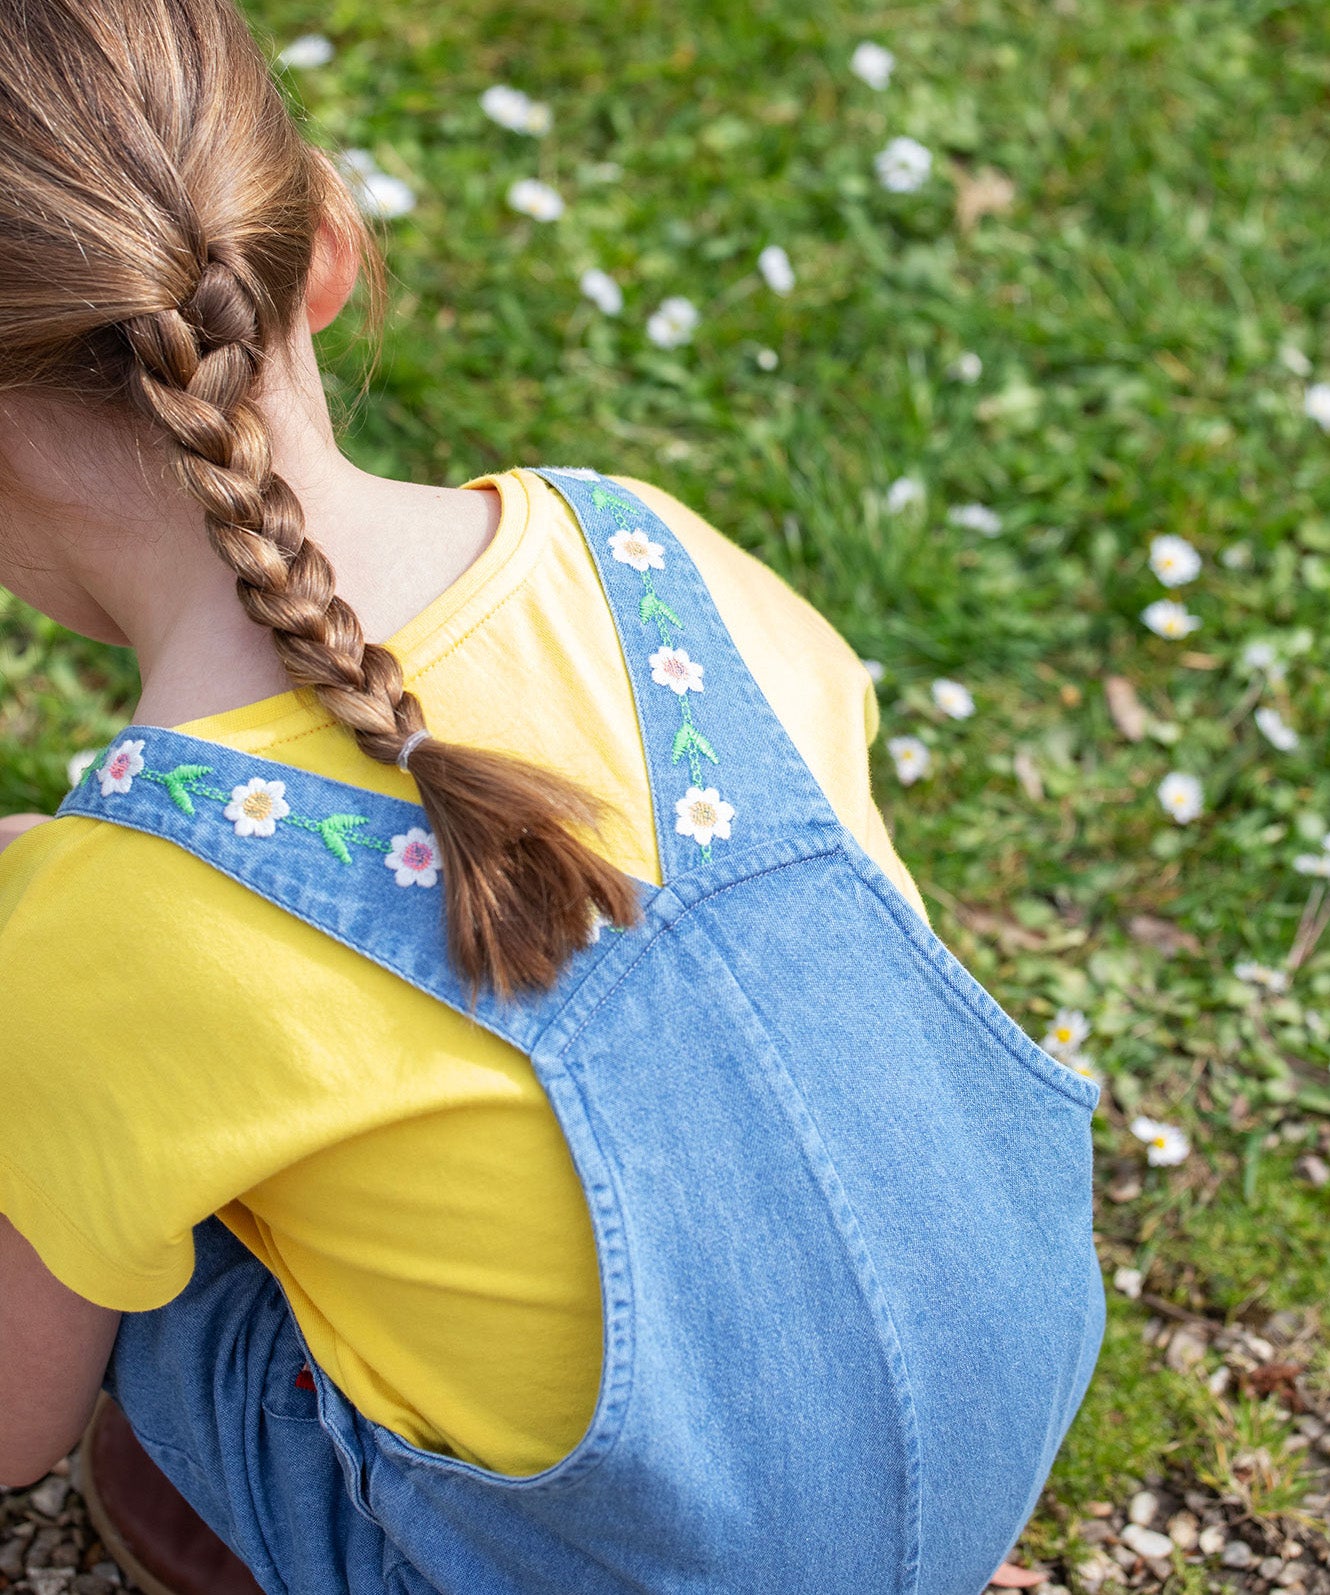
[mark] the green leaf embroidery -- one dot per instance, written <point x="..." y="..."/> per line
<point x="652" y="606"/>
<point x="331" y="831"/>
<point x="601" y="499"/>
<point x="175" y="781"/>
<point x="688" y="736"/>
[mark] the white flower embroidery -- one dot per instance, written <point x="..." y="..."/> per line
<point x="1173" y="560"/>
<point x="671" y="667"/>
<point x="1181" y="796"/>
<point x="774" y="264"/>
<point x="1167" y="1143"/>
<point x="953" y="699"/>
<point x="534" y="198"/>
<point x="702" y="814"/>
<point x="1277" y="729"/>
<point x="1168" y="619"/>
<point x="123" y="763"/>
<point x="602" y="290"/>
<point x="873" y="63"/>
<point x="903" y="166"/>
<point x="415" y="857"/>
<point x="674" y="323"/>
<point x="912" y="758"/>
<point x="310" y="49"/>
<point x="255" y="808"/>
<point x="635" y="548"/>
<point x="1069" y="1029"/>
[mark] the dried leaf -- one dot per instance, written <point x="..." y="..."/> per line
<point x="1125" y="707"/>
<point x="987" y="193"/>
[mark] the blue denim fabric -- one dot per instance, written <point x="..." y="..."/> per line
<point x="842" y="1203"/>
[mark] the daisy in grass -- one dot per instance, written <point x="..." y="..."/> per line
<point x="975" y="518"/>
<point x="123" y="763"/>
<point x="702" y="813"/>
<point x="1167" y="1144"/>
<point x="903" y="166"/>
<point x="310" y="49"/>
<point x="256" y="807"/>
<point x="635" y="548"/>
<point x="875" y="668"/>
<point x="1262" y="975"/>
<point x="602" y="290"/>
<point x="1316" y="404"/>
<point x="966" y="367"/>
<point x="767" y="359"/>
<point x="1082" y="1065"/>
<point x="873" y="63"/>
<point x="514" y="110"/>
<point x="903" y="492"/>
<point x="1069" y="1029"/>
<point x="1314" y="863"/>
<point x="1274" y="727"/>
<point x="534" y="198"/>
<point x="674" y="323"/>
<point x="1168" y="619"/>
<point x="774" y="264"/>
<point x="671" y="667"/>
<point x="1181" y="796"/>
<point x="953" y="699"/>
<point x="1173" y="560"/>
<point x="415" y="858"/>
<point x="1261" y="656"/>
<point x="1128" y="1281"/>
<point x="377" y="193"/>
<point x="911" y="757"/>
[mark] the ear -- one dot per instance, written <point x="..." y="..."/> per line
<point x="332" y="276"/>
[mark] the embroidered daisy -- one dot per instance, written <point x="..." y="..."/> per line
<point x="415" y="857"/>
<point x="903" y="492"/>
<point x="903" y="166"/>
<point x="1173" y="560"/>
<point x="635" y="548"/>
<point x="975" y="518"/>
<point x="671" y="667"/>
<point x="602" y="290"/>
<point x="1069" y="1029"/>
<point x="1166" y="1142"/>
<point x="255" y="808"/>
<point x="953" y="699"/>
<point x="703" y="813"/>
<point x="1181" y="796"/>
<point x="1279" y="732"/>
<point x="911" y="756"/>
<point x="123" y="763"/>
<point x="873" y="63"/>
<point x="1168" y="619"/>
<point x="534" y="198"/>
<point x="1262" y="975"/>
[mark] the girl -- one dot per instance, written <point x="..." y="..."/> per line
<point x="485" y="1101"/>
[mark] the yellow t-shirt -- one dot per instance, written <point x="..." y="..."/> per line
<point x="177" y="1046"/>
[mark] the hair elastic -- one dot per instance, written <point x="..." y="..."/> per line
<point x="409" y="747"/>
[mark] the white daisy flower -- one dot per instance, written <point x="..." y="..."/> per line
<point x="875" y="668"/>
<point x="1169" y="619"/>
<point x="671" y="667"/>
<point x="1316" y="404"/>
<point x="123" y="763"/>
<point x="1280" y="733"/>
<point x="1314" y="863"/>
<point x="975" y="518"/>
<point x="1259" y="656"/>
<point x="635" y="548"/>
<point x="1166" y="1142"/>
<point x="513" y="109"/>
<point x="1173" y="560"/>
<point x="911" y="757"/>
<point x="534" y="198"/>
<point x="767" y="359"/>
<point x="1293" y="359"/>
<point x="674" y="323"/>
<point x="1128" y="1281"/>
<point x="1181" y="796"/>
<point x="703" y="813"/>
<point x="903" y="166"/>
<point x="873" y="63"/>
<point x="1082" y="1065"/>
<point x="1069" y="1029"/>
<point x="602" y="290"/>
<point x="256" y="807"/>
<point x="903" y="492"/>
<point x="774" y="264"/>
<point x="1262" y="975"/>
<point x="967" y="367"/>
<point x="415" y="858"/>
<point x="538" y="120"/>
<point x="384" y="195"/>
<point x="1236" y="556"/>
<point x="953" y="699"/>
<point x="359" y="161"/>
<point x="310" y="49"/>
<point x="79" y="763"/>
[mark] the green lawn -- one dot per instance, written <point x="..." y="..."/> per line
<point x="1148" y="293"/>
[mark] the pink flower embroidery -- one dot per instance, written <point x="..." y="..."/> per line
<point x="123" y="763"/>
<point x="415" y="858"/>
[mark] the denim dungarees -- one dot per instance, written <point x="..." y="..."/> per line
<point x="841" y="1201"/>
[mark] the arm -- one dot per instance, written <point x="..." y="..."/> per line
<point x="54" y="1348"/>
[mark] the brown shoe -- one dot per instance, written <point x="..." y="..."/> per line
<point x="148" y="1528"/>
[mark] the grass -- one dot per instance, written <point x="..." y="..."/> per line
<point x="1149" y="308"/>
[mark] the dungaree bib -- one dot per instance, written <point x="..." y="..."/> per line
<point x="841" y="1201"/>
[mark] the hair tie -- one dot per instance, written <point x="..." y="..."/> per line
<point x="409" y="747"/>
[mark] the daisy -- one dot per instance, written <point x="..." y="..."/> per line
<point x="975" y="518"/>
<point x="1069" y="1029"/>
<point x="953" y="699"/>
<point x="256" y="807"/>
<point x="635" y="548"/>
<point x="873" y="63"/>
<point x="903" y="492"/>
<point x="1181" y="796"/>
<point x="1128" y="1281"/>
<point x="1168" y="619"/>
<point x="1272" y="723"/>
<point x="1167" y="1143"/>
<point x="702" y="813"/>
<point x="602" y="290"/>
<point x="967" y="367"/>
<point x="1262" y="975"/>
<point x="123" y="763"/>
<point x="767" y="359"/>
<point x="774" y="264"/>
<point x="1173" y="560"/>
<point x="1314" y="863"/>
<point x="1316" y="404"/>
<point x="310" y="49"/>
<point x="415" y="858"/>
<point x="911" y="756"/>
<point x="674" y="323"/>
<point x="875" y="668"/>
<point x="903" y="166"/>
<point x="534" y="198"/>
<point x="671" y="667"/>
<point x="377" y="193"/>
<point x="514" y="110"/>
<point x="1082" y="1065"/>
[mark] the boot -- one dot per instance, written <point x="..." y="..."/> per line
<point x="148" y="1528"/>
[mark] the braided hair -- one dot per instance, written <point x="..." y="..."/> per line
<point x="153" y="258"/>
